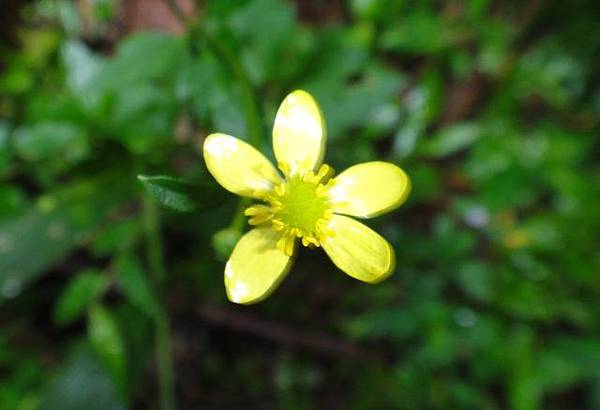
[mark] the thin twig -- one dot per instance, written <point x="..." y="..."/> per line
<point x="240" y="321"/>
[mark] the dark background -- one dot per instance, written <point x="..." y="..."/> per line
<point x="110" y="299"/>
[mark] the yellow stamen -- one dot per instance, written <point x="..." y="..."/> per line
<point x="299" y="207"/>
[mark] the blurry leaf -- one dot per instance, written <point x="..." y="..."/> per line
<point x="452" y="139"/>
<point x="140" y="57"/>
<point x="116" y="237"/>
<point x="4" y="152"/>
<point x="227" y="112"/>
<point x="12" y="202"/>
<point x="426" y="183"/>
<point x="223" y="9"/>
<point x="524" y="389"/>
<point x="137" y="330"/>
<point x="82" y="383"/>
<point x="82" y="66"/>
<point x="142" y="117"/>
<point x="68" y="15"/>
<point x="421" y="32"/>
<point x="368" y="9"/>
<point x="135" y="285"/>
<point x="105" y="337"/>
<point x="224" y="241"/>
<point x="422" y="105"/>
<point x="474" y="278"/>
<point x="557" y="371"/>
<point x="81" y="291"/>
<point x="170" y="192"/>
<point x="551" y="72"/>
<point x="52" y="140"/>
<point x="397" y="324"/>
<point x="52" y="228"/>
<point x="354" y="106"/>
<point x="265" y="27"/>
<point x="18" y="76"/>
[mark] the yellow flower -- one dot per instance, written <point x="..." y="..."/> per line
<point x="305" y="205"/>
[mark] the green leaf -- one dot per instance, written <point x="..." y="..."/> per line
<point x="79" y="294"/>
<point x="170" y="192"/>
<point x="81" y="68"/>
<point x="81" y="383"/>
<point x="135" y="285"/>
<point x="475" y="279"/>
<point x="5" y="130"/>
<point x="50" y="140"/>
<point x="116" y="237"/>
<point x="452" y="139"/>
<point x="140" y="57"/>
<point x="105" y="338"/>
<point x="52" y="228"/>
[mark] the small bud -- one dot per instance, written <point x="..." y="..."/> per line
<point x="224" y="241"/>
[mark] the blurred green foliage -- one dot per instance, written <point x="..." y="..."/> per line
<point x="492" y="108"/>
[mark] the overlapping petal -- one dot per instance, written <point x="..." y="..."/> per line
<point x="238" y="166"/>
<point x="299" y="134"/>
<point x="256" y="266"/>
<point x="358" y="250"/>
<point x="369" y="189"/>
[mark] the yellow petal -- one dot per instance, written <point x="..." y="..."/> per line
<point x="238" y="166"/>
<point x="299" y="133"/>
<point x="369" y="189"/>
<point x="256" y="266"/>
<point x="358" y="250"/>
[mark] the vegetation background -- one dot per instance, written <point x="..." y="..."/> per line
<point x="111" y="287"/>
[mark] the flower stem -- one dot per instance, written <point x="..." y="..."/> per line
<point x="156" y="266"/>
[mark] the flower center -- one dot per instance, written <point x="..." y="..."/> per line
<point x="299" y="208"/>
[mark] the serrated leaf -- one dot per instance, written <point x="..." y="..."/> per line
<point x="170" y="192"/>
<point x="135" y="285"/>
<point x="79" y="294"/>
<point x="105" y="338"/>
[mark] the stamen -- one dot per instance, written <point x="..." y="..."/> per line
<point x="286" y="244"/>
<point x="300" y="208"/>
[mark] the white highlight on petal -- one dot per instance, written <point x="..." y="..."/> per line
<point x="221" y="147"/>
<point x="238" y="291"/>
<point x="297" y="118"/>
<point x="228" y="269"/>
<point x="339" y="192"/>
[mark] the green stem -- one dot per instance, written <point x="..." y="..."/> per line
<point x="230" y="60"/>
<point x="252" y="115"/>
<point x="156" y="265"/>
<point x="251" y="108"/>
<point x="164" y="363"/>
<point x="154" y="242"/>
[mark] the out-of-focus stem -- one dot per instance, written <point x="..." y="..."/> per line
<point x="230" y="60"/>
<point x="249" y="101"/>
<point x="156" y="266"/>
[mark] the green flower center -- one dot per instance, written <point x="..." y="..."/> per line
<point x="299" y="208"/>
